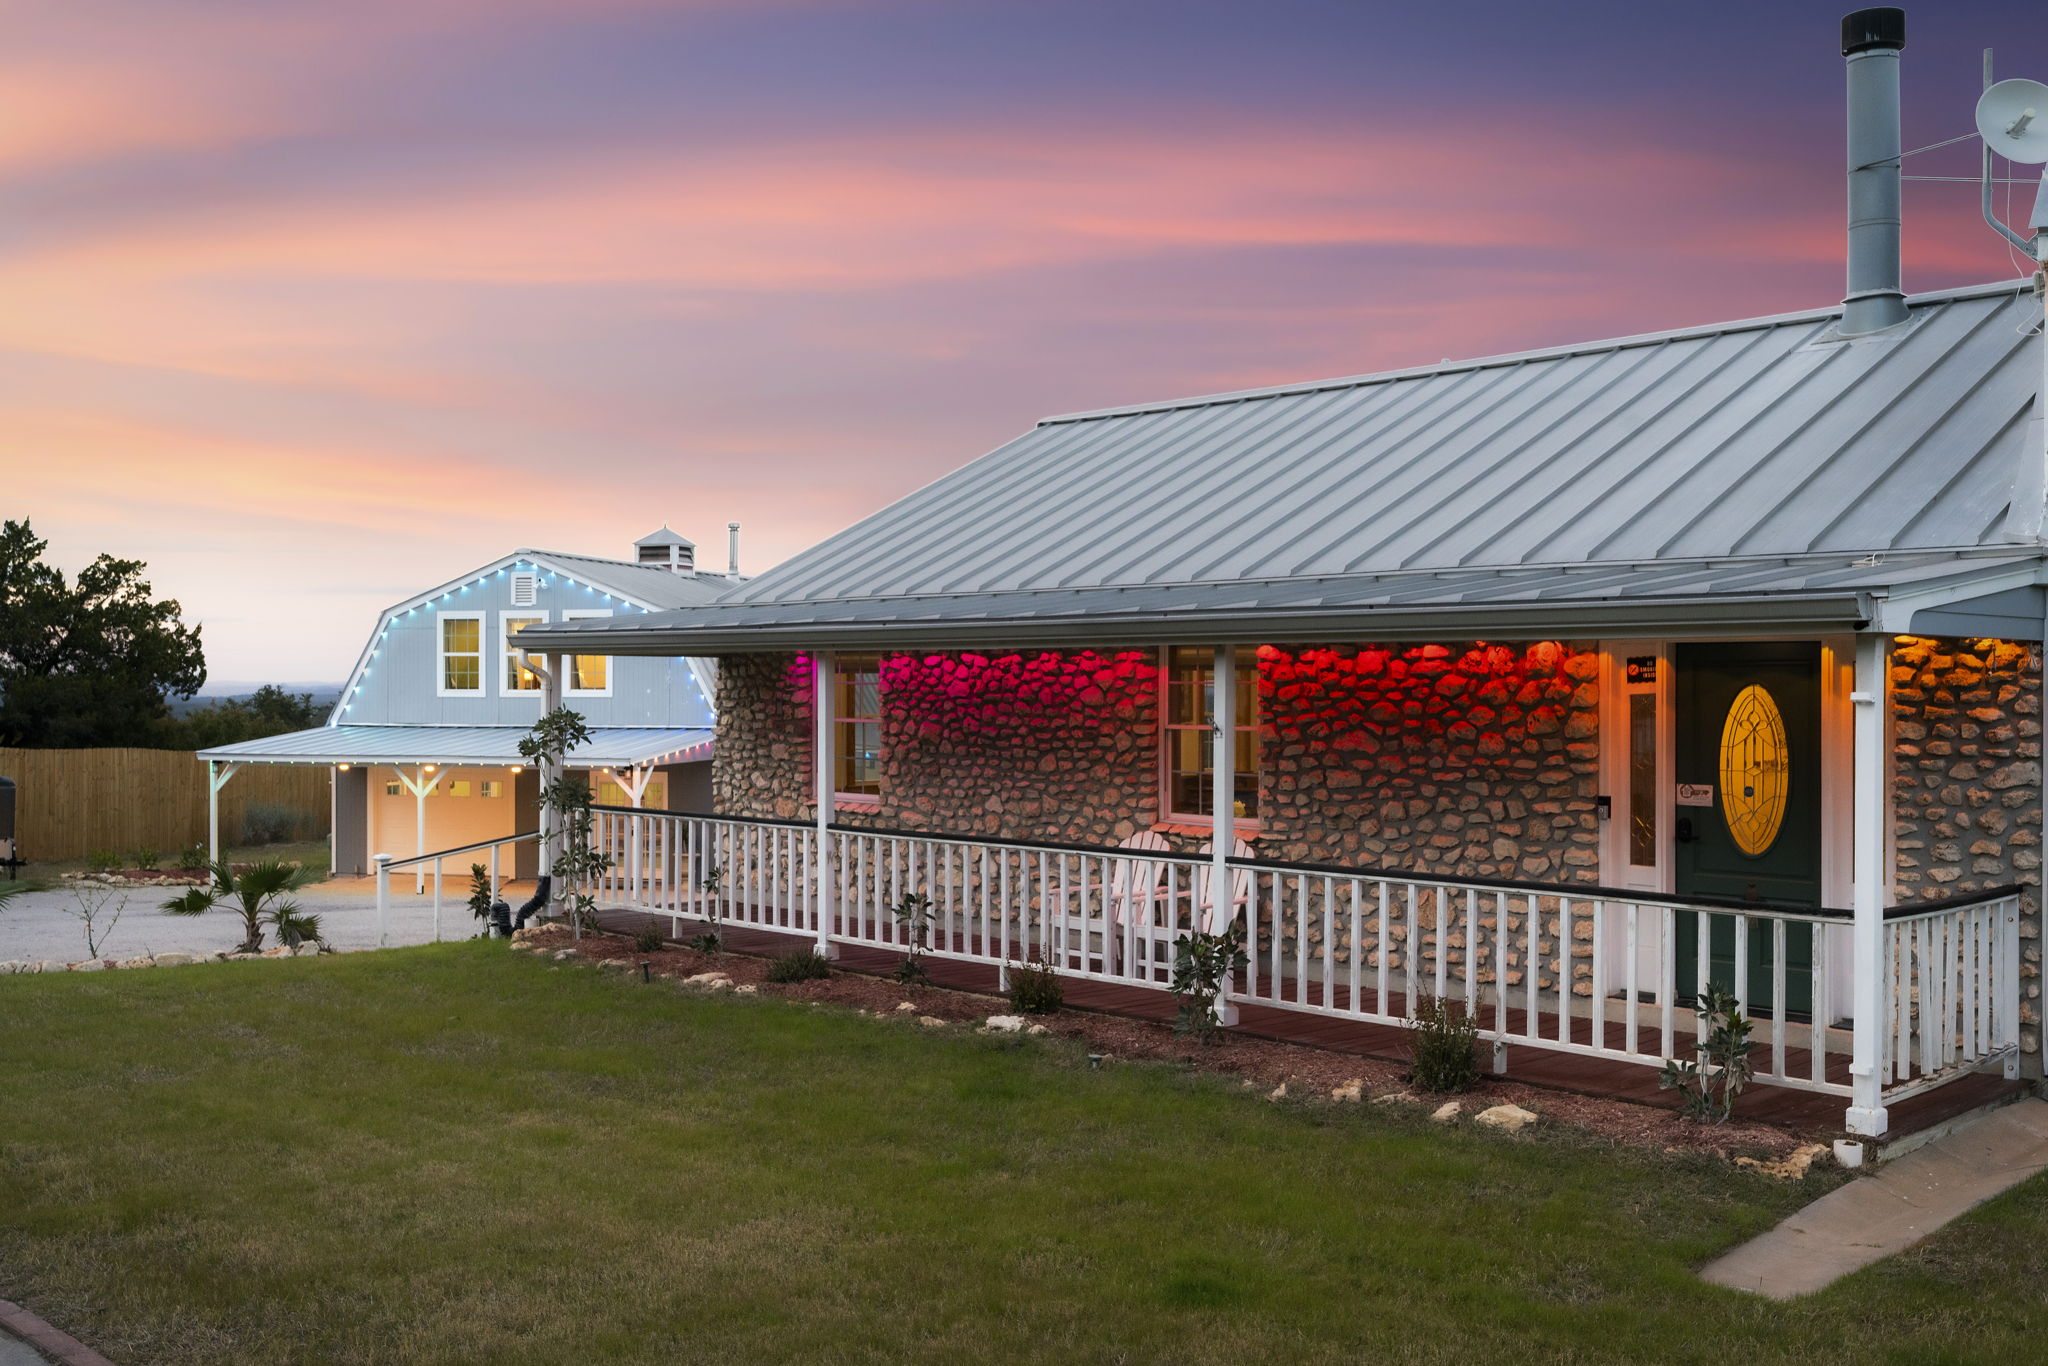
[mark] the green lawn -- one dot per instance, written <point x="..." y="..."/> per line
<point x="462" y="1155"/>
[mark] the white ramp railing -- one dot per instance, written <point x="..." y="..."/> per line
<point x="437" y="860"/>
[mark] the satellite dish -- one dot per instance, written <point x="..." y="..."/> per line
<point x="2012" y="116"/>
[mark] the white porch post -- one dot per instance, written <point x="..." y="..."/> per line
<point x="217" y="776"/>
<point x="823" y="676"/>
<point x="1223" y="811"/>
<point x="1870" y="773"/>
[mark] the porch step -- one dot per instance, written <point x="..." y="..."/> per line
<point x="1873" y="1217"/>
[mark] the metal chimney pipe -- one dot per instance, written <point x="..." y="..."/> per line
<point x="732" y="549"/>
<point x="1871" y="42"/>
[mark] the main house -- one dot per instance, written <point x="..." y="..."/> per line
<point x="1560" y="682"/>
<point x="424" y="741"/>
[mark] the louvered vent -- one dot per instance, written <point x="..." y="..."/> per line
<point x="525" y="589"/>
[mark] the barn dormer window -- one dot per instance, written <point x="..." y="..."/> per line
<point x="461" y="654"/>
<point x="589" y="675"/>
<point x="519" y="678"/>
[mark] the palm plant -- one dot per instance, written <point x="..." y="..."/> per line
<point x="261" y="893"/>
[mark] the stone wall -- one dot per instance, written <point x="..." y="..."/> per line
<point x="1029" y="746"/>
<point x="1467" y="760"/>
<point x="1966" y="720"/>
<point x="1477" y="760"/>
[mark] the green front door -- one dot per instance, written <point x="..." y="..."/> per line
<point x="1748" y="815"/>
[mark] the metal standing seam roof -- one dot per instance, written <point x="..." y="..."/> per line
<point x="1651" y="459"/>
<point x="609" y="747"/>
<point x="656" y="585"/>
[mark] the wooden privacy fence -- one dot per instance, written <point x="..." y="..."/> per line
<point x="69" y="802"/>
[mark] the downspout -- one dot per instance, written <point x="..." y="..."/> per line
<point x="1869" y="774"/>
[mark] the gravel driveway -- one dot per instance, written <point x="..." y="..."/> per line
<point x="39" y="925"/>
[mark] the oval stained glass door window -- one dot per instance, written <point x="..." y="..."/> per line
<point x="1755" y="770"/>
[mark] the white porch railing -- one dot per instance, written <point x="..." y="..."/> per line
<point x="1590" y="972"/>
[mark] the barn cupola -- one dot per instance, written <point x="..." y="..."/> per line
<point x="666" y="550"/>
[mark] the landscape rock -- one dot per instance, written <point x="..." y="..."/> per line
<point x="562" y="955"/>
<point x="905" y="1007"/>
<point x="1278" y="1093"/>
<point x="1037" y="1029"/>
<point x="749" y="990"/>
<point x="1447" y="1113"/>
<point x="1507" y="1118"/>
<point x="136" y="963"/>
<point x="13" y="965"/>
<point x="614" y="965"/>
<point x="1352" y="1091"/>
<point x="177" y="960"/>
<point x="710" y="981"/>
<point x="1394" y="1098"/>
<point x="1793" y="1166"/>
<point x="1004" y="1024"/>
<point x="89" y="965"/>
<point x="931" y="1022"/>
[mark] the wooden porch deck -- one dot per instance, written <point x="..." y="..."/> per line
<point x="1809" y="1112"/>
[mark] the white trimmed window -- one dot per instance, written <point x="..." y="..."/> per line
<point x="1189" y="720"/>
<point x="517" y="678"/>
<point x="461" y="672"/>
<point x="589" y="675"/>
<point x="857" y="727"/>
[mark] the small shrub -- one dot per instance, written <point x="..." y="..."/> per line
<point x="1712" y="1080"/>
<point x="268" y="823"/>
<point x="1035" y="989"/>
<point x="802" y="966"/>
<point x="914" y="913"/>
<point x="1442" y="1043"/>
<point x="192" y="860"/>
<point x="102" y="860"/>
<point x="1200" y="963"/>
<point x="649" y="939"/>
<point x="147" y="858"/>
<point x="706" y="943"/>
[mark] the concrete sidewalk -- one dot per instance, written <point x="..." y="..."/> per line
<point x="1902" y="1203"/>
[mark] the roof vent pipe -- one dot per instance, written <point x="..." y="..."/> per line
<point x="732" y="549"/>
<point x="1871" y="41"/>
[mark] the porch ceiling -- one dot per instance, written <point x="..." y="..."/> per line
<point x="609" y="747"/>
<point x="1898" y="592"/>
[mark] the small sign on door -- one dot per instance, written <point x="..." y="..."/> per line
<point x="1695" y="794"/>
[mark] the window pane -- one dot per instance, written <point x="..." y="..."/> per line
<point x="1642" y="779"/>
<point x="589" y="671"/>
<point x="461" y="635"/>
<point x="518" y="677"/>
<point x="1190" y="716"/>
<point x="462" y="673"/>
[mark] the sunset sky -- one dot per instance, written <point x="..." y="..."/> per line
<point x="311" y="305"/>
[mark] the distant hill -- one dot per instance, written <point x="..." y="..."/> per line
<point x="325" y="695"/>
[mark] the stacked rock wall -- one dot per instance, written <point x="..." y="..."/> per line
<point x="1466" y="760"/>
<point x="1966" y="724"/>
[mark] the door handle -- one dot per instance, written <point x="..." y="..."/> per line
<point x="1685" y="833"/>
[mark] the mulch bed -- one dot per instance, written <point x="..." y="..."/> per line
<point x="1261" y="1064"/>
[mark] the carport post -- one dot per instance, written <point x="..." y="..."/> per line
<point x="217" y="777"/>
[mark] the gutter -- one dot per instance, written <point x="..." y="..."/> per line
<point x="1676" y="618"/>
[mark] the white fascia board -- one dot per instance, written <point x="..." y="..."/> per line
<point x="1894" y="612"/>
